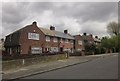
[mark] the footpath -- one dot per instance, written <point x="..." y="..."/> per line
<point x="49" y="66"/>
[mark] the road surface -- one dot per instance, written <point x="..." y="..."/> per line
<point x="101" y="68"/>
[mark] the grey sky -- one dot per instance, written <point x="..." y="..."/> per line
<point x="77" y="17"/>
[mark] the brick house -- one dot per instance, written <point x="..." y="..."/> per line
<point x="97" y="41"/>
<point x="35" y="40"/>
<point x="79" y="43"/>
<point x="89" y="43"/>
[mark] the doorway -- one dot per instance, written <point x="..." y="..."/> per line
<point x="61" y="49"/>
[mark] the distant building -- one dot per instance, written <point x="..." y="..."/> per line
<point x="97" y="40"/>
<point x="89" y="39"/>
<point x="35" y="40"/>
<point x="79" y="43"/>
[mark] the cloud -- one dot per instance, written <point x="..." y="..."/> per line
<point x="77" y="17"/>
<point x="14" y="12"/>
<point x="88" y="11"/>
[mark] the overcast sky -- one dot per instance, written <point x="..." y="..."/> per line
<point x="76" y="17"/>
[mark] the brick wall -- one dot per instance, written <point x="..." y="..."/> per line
<point x="26" y="43"/>
<point x="77" y="45"/>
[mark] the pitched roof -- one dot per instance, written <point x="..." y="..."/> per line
<point x="48" y="32"/>
<point x="19" y="30"/>
<point x="56" y="33"/>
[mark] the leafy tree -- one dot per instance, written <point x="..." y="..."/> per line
<point x="114" y="41"/>
<point x="90" y="47"/>
<point x="111" y="43"/>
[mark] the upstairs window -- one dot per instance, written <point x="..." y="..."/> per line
<point x="47" y="38"/>
<point x="66" y="41"/>
<point x="71" y="41"/>
<point x="79" y="42"/>
<point x="55" y="40"/>
<point x="33" y="36"/>
<point x="61" y="40"/>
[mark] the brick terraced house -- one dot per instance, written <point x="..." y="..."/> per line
<point x="35" y="40"/>
<point x="32" y="39"/>
<point x="79" y="43"/>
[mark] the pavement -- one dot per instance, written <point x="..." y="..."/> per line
<point x="49" y="66"/>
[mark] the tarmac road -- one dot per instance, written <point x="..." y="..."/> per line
<point x="101" y="68"/>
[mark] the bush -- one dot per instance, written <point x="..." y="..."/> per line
<point x="89" y="53"/>
<point x="103" y="50"/>
<point x="97" y="50"/>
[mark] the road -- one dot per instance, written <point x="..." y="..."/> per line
<point x="101" y="68"/>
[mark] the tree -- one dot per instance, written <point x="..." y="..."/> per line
<point x="111" y="43"/>
<point x="89" y="47"/>
<point x="113" y="28"/>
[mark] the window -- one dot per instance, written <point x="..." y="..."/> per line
<point x="47" y="38"/>
<point x="33" y="36"/>
<point x="79" y="49"/>
<point x="55" y="40"/>
<point x="71" y="41"/>
<point x="61" y="40"/>
<point x="79" y="42"/>
<point x="66" y="41"/>
<point x="36" y="50"/>
<point x="54" y="49"/>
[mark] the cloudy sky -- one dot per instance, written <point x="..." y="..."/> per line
<point x="76" y="17"/>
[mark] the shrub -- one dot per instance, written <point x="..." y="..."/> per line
<point x="97" y="50"/>
<point x="103" y="50"/>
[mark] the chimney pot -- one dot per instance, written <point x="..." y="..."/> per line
<point x="2" y="40"/>
<point x="91" y="35"/>
<point x="84" y="34"/>
<point x="96" y="37"/>
<point x="66" y="31"/>
<point x="34" y="23"/>
<point x="52" y="28"/>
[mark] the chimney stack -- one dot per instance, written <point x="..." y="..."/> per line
<point x="96" y="37"/>
<point x="34" y="23"/>
<point x="52" y="28"/>
<point x="91" y="35"/>
<point x="84" y="34"/>
<point x="66" y="31"/>
<point x="2" y="40"/>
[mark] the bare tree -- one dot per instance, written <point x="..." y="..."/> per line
<point x="113" y="28"/>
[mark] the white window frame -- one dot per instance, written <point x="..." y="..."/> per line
<point x="79" y="42"/>
<point x="61" y="40"/>
<point x="33" y="36"/>
<point x="55" y="39"/>
<point x="47" y="38"/>
<point x="79" y="49"/>
<point x="71" y="41"/>
<point x="54" y="49"/>
<point x="36" y="50"/>
<point x="66" y="41"/>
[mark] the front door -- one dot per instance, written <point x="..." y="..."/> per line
<point x="61" y="49"/>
